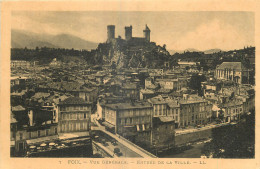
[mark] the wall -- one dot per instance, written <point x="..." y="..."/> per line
<point x="163" y="134"/>
<point x="99" y="149"/>
<point x="194" y="136"/>
<point x="25" y="133"/>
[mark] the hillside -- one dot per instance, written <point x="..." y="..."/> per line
<point x="22" y="39"/>
<point x="210" y="51"/>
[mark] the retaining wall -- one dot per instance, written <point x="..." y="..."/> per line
<point x="182" y="139"/>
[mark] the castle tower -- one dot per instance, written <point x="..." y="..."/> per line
<point x="128" y="32"/>
<point x="147" y="33"/>
<point x="110" y="32"/>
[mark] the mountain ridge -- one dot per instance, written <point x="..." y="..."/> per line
<point x="30" y="40"/>
<point x="209" y="51"/>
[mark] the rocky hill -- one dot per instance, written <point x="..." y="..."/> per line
<point x="126" y="55"/>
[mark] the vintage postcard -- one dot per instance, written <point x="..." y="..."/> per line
<point x="104" y="84"/>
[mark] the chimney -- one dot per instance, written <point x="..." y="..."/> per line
<point x="185" y="96"/>
<point x="30" y="114"/>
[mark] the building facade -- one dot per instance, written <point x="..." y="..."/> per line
<point x="74" y="115"/>
<point x="130" y="120"/>
<point x="194" y="111"/>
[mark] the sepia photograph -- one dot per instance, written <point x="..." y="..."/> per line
<point x="132" y="84"/>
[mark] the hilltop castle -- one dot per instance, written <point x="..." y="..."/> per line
<point x="128" y="35"/>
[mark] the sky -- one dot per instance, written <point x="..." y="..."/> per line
<point x="178" y="30"/>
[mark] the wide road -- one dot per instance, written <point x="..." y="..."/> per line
<point x="126" y="152"/>
<point x="126" y="149"/>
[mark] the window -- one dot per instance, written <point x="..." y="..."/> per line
<point x="13" y="134"/>
<point x="131" y="112"/>
<point x="21" y="136"/>
<point x="39" y="133"/>
<point x="85" y="115"/>
<point x="55" y="130"/>
<point x="47" y="132"/>
<point x="81" y="126"/>
<point x="71" y="127"/>
<point x="76" y="107"/>
<point x="131" y="120"/>
<point x="30" y="135"/>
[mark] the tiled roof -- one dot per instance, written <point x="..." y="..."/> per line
<point x="73" y="100"/>
<point x="18" y="108"/>
<point x="40" y="95"/>
<point x="166" y="118"/>
<point x="122" y="106"/>
<point x="232" y="104"/>
<point x="13" y="120"/>
<point x="172" y="103"/>
<point x="146" y="91"/>
<point x="231" y="65"/>
<point x="129" y="86"/>
<point x="157" y="100"/>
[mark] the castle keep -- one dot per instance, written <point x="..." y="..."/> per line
<point x="128" y="35"/>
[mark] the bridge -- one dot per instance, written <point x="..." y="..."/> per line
<point x="127" y="148"/>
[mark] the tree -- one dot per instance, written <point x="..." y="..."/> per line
<point x="195" y="83"/>
<point x="233" y="141"/>
<point x="164" y="46"/>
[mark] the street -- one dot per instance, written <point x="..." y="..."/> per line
<point x="125" y="151"/>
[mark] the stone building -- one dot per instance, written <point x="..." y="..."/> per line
<point x="163" y="132"/>
<point x="130" y="120"/>
<point x="232" y="110"/>
<point x="194" y="111"/>
<point x="172" y="84"/>
<point x="128" y="35"/>
<point x="74" y="115"/>
<point x="233" y="71"/>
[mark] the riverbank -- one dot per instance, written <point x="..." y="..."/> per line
<point x="190" y="151"/>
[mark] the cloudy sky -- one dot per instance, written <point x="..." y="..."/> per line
<point x="178" y="30"/>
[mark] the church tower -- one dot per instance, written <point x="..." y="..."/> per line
<point x="147" y="33"/>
